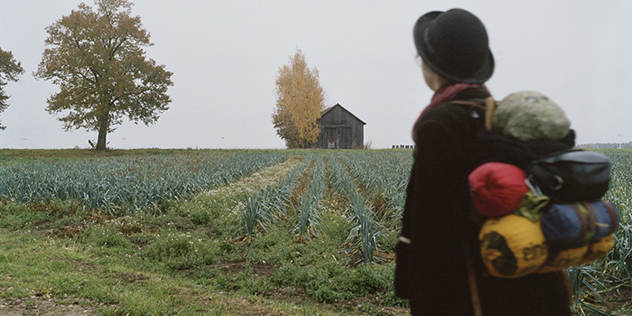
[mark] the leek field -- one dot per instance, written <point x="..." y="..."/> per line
<point x="230" y="232"/>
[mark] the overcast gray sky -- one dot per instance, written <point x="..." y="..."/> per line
<point x="225" y="56"/>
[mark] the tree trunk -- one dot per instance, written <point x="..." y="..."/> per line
<point x="103" y="133"/>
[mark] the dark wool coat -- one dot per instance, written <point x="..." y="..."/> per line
<point x="431" y="271"/>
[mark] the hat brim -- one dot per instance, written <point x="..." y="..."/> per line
<point x="482" y="75"/>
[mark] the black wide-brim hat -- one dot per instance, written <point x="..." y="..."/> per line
<point x="455" y="45"/>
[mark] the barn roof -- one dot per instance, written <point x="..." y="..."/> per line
<point x="338" y="104"/>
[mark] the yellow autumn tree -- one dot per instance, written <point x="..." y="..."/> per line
<point x="299" y="103"/>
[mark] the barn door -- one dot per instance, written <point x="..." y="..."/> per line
<point x="346" y="140"/>
<point x="331" y="137"/>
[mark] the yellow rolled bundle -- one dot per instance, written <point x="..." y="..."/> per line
<point x="559" y="260"/>
<point x="563" y="259"/>
<point x="598" y="249"/>
<point x="512" y="246"/>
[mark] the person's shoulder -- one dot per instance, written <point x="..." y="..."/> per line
<point x="448" y="118"/>
<point x="442" y="118"/>
<point x="448" y="112"/>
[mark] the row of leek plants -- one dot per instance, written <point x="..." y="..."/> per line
<point x="267" y="206"/>
<point x="363" y="235"/>
<point x="310" y="203"/>
<point x="619" y="262"/>
<point x="614" y="271"/>
<point x="382" y="174"/>
<point x="123" y="184"/>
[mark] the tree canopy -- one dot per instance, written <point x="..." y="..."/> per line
<point x="10" y="69"/>
<point x="98" y="61"/>
<point x="299" y="103"/>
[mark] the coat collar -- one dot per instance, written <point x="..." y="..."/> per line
<point x="459" y="91"/>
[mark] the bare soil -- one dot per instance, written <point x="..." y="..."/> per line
<point x="40" y="306"/>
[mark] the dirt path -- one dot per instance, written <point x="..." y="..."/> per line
<point x="37" y="306"/>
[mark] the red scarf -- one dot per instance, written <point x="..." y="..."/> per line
<point x="448" y="93"/>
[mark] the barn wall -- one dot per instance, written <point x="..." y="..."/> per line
<point x="340" y="129"/>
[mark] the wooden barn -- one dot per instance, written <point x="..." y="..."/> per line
<point x="340" y="129"/>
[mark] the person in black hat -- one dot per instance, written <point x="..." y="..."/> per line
<point x="433" y="270"/>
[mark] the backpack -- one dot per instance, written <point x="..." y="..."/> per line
<point x="540" y="199"/>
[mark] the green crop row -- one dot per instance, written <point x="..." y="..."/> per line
<point x="270" y="205"/>
<point x="122" y="184"/>
<point x="618" y="263"/>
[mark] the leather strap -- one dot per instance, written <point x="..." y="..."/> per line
<point x="471" y="278"/>
<point x="490" y="107"/>
<point x="614" y="217"/>
<point x="592" y="221"/>
<point x="582" y="219"/>
<point x="489" y="104"/>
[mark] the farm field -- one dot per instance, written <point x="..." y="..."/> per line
<point x="229" y="232"/>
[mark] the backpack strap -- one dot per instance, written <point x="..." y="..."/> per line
<point x="592" y="220"/>
<point x="583" y="219"/>
<point x="614" y="218"/>
<point x="471" y="278"/>
<point x="489" y="105"/>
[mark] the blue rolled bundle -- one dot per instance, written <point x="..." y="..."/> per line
<point x="567" y="225"/>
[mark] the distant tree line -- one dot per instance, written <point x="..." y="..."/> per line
<point x="606" y="145"/>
